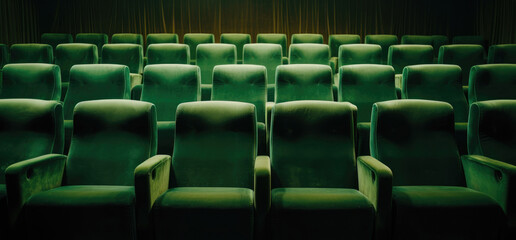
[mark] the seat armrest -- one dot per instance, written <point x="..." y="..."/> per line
<point x="26" y="178"/>
<point x="333" y="64"/>
<point x="262" y="183"/>
<point x="375" y="182"/>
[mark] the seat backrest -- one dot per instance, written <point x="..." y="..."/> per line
<point x="132" y="38"/>
<point x="492" y="81"/>
<point x="237" y="39"/>
<point x="416" y="140"/>
<point x="502" y="53"/>
<point x="215" y="145"/>
<point x="309" y="53"/>
<point x="110" y="138"/>
<point x="4" y="55"/>
<point x="278" y="38"/>
<point x="168" y="53"/>
<point x="464" y="55"/>
<point x="194" y="39"/>
<point x="385" y="41"/>
<point x="99" y="39"/>
<point x="155" y="38"/>
<point x="439" y="82"/>
<point x="474" y="39"/>
<point x="435" y="40"/>
<point x="54" y="39"/>
<point x="127" y="54"/>
<point x="210" y="55"/>
<point x="307" y="38"/>
<point x="491" y="130"/>
<point x="312" y="145"/>
<point x="31" y="80"/>
<point x="70" y="54"/>
<point x="336" y="40"/>
<point x="303" y="82"/>
<point x="365" y="84"/>
<point x="265" y="54"/>
<point x="401" y="56"/>
<point x="31" y="53"/>
<point x="95" y="81"/>
<point x="168" y="85"/>
<point x="242" y="83"/>
<point x="29" y="128"/>
<point x="360" y="54"/>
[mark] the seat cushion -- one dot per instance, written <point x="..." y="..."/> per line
<point x="82" y="212"/>
<point x="318" y="213"/>
<point x="204" y="212"/>
<point x="433" y="212"/>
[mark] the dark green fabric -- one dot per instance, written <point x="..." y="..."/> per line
<point x="99" y="39"/>
<point x="215" y="145"/>
<point x="54" y="39"/>
<point x="303" y="82"/>
<point x="359" y="54"/>
<point x="416" y="139"/>
<point x="438" y="212"/>
<point x="401" y="56"/>
<point x="385" y="41"/>
<point x="312" y="145"/>
<point x="309" y="53"/>
<point x="96" y="81"/>
<point x="154" y="38"/>
<point x="110" y="138"/>
<point x="69" y="54"/>
<point x="131" y="38"/>
<point x="475" y="39"/>
<point x="277" y="38"/>
<point x="31" y="80"/>
<point x="194" y="39"/>
<point x="336" y="40"/>
<point x="127" y="54"/>
<point x="363" y="136"/>
<point x="168" y="53"/>
<point x="210" y="55"/>
<point x="320" y="213"/>
<point x="268" y="55"/>
<point x="31" y="53"/>
<point x="466" y="56"/>
<point x="239" y="40"/>
<point x="4" y="55"/>
<point x="204" y="213"/>
<point x="166" y="133"/>
<point x="503" y="53"/>
<point x="306" y="38"/>
<point x="29" y="128"/>
<point x="492" y="81"/>
<point x="82" y="212"/>
<point x="435" y="40"/>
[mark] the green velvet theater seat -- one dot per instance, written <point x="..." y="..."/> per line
<point x="127" y="54"/>
<point x="31" y="53"/>
<point x="435" y="40"/>
<point x="464" y="55"/>
<point x="54" y="39"/>
<point x="309" y="53"/>
<point x="4" y="55"/>
<point x="92" y="196"/>
<point x="473" y="39"/>
<point x="491" y="166"/>
<point x="168" y="53"/>
<point x="237" y="39"/>
<point x="303" y="82"/>
<point x="401" y="56"/>
<point x="335" y="41"/>
<point x="359" y="54"/>
<point x="31" y="80"/>
<point x="211" y="184"/>
<point x="210" y="55"/>
<point x="306" y="38"/>
<point x="416" y="140"/>
<point x="363" y="85"/>
<point x="155" y="38"/>
<point x="492" y="81"/>
<point x="384" y="40"/>
<point x="193" y="40"/>
<point x="167" y="86"/>
<point x="268" y="55"/>
<point x="277" y="38"/>
<point x="99" y="39"/>
<point x="314" y="177"/>
<point x="244" y="83"/>
<point x="502" y="53"/>
<point x="132" y="38"/>
<point x="31" y="129"/>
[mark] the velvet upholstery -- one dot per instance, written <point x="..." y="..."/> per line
<point x="472" y="39"/>
<point x="307" y="38"/>
<point x="401" y="56"/>
<point x="415" y="138"/>
<point x="54" y="39"/>
<point x="277" y="38"/>
<point x="131" y="38"/>
<point x="359" y="54"/>
<point x="267" y="55"/>
<point x="4" y="55"/>
<point x="502" y="53"/>
<point x="303" y="82"/>
<point x="31" y="53"/>
<point x="167" y="86"/>
<point x="156" y="38"/>
<point x="335" y="41"/>
<point x="314" y="175"/>
<point x="237" y="39"/>
<point x="385" y="41"/>
<point x="212" y="173"/>
<point x="193" y="40"/>
<point x="168" y="53"/>
<point x="69" y="54"/>
<point x="492" y="81"/>
<point x="210" y="55"/>
<point x="127" y="54"/>
<point x="99" y="39"/>
<point x="31" y="80"/>
<point x="309" y="53"/>
<point x="466" y="56"/>
<point x="435" y="40"/>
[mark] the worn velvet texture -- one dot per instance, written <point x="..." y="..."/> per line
<point x="401" y="56"/>
<point x="54" y="39"/>
<point x="239" y="40"/>
<point x="277" y="38"/>
<point x="309" y="53"/>
<point x="67" y="55"/>
<point x="464" y="55"/>
<point x="268" y="55"/>
<point x="359" y="54"/>
<point x="335" y="41"/>
<point x="385" y="41"/>
<point x="31" y="80"/>
<point x="128" y="54"/>
<point x="132" y="38"/>
<point x="502" y="53"/>
<point x="156" y="38"/>
<point x="31" y="53"/>
<point x="303" y="82"/>
<point x="98" y="39"/>
<point x="307" y="38"/>
<point x="168" y="53"/>
<point x="208" y="56"/>
<point x="492" y="81"/>
<point x="435" y="40"/>
<point x="194" y="39"/>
